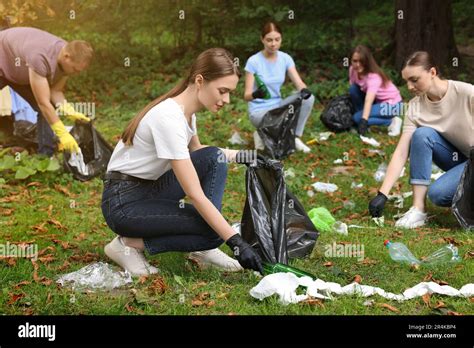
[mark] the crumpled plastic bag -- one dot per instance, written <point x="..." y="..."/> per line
<point x="325" y="187"/>
<point x="370" y="141"/>
<point x="285" y="284"/>
<point x="77" y="160"/>
<point x="96" y="276"/>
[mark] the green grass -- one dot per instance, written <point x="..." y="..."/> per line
<point x="85" y="233"/>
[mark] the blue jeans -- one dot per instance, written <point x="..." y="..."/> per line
<point x="381" y="114"/>
<point x="46" y="137"/>
<point x="306" y="106"/>
<point x="428" y="146"/>
<point x="153" y="210"/>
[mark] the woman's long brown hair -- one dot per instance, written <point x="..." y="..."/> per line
<point x="368" y="62"/>
<point x="212" y="64"/>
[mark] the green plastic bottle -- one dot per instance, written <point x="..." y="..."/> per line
<point x="261" y="84"/>
<point x="269" y="268"/>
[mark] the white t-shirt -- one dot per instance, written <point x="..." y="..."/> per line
<point x="162" y="135"/>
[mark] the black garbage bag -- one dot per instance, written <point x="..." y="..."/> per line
<point x="337" y="116"/>
<point x="95" y="150"/>
<point x="463" y="201"/>
<point x="274" y="222"/>
<point x="277" y="130"/>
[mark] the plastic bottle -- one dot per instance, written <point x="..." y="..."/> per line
<point x="269" y="268"/>
<point x="261" y="84"/>
<point x="400" y="253"/>
<point x="448" y="253"/>
<point x="380" y="173"/>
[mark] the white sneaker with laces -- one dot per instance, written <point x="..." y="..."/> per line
<point x="300" y="146"/>
<point x="413" y="218"/>
<point x="395" y="127"/>
<point x="215" y="258"/>
<point x="259" y="145"/>
<point x="129" y="258"/>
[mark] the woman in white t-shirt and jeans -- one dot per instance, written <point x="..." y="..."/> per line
<point x="439" y="128"/>
<point x="160" y="160"/>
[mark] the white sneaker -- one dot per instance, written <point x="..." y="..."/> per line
<point x="129" y="258"/>
<point x="413" y="218"/>
<point x="215" y="258"/>
<point x="259" y="145"/>
<point x="300" y="146"/>
<point x="395" y="127"/>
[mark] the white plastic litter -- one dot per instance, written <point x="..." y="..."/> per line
<point x="77" y="160"/>
<point x="338" y="161"/>
<point x="340" y="227"/>
<point x="236" y="139"/>
<point x="289" y="173"/>
<point x="379" y="174"/>
<point x="378" y="152"/>
<point x="96" y="276"/>
<point x="370" y="141"/>
<point x="379" y="221"/>
<point x="399" y="199"/>
<point x="357" y="186"/>
<point x="285" y="284"/>
<point x="324" y="136"/>
<point x="324" y="187"/>
<point x="310" y="193"/>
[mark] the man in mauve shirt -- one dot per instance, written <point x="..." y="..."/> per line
<point x="37" y="64"/>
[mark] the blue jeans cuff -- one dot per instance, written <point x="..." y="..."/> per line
<point x="420" y="182"/>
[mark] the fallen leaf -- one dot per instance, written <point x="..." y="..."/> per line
<point x="34" y="183"/>
<point x="469" y="254"/>
<point x="57" y="224"/>
<point x="389" y="307"/>
<point x="367" y="261"/>
<point x="158" y="286"/>
<point x="328" y="264"/>
<point x="25" y="282"/>
<point x="311" y="301"/>
<point x="14" y="298"/>
<point x="440" y="304"/>
<point x="210" y="303"/>
<point x="203" y="296"/>
<point x="357" y="279"/>
<point x="63" y="190"/>
<point x="65" y="265"/>
<point x="40" y="228"/>
<point x="428" y="277"/>
<point x="196" y="303"/>
<point x="454" y="313"/>
<point x="222" y="295"/>
<point x="426" y="299"/>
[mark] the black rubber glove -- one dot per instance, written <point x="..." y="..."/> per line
<point x="259" y="93"/>
<point x="305" y="93"/>
<point x="245" y="254"/>
<point x="363" y="127"/>
<point x="377" y="204"/>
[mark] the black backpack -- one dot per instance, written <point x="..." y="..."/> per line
<point x="337" y="116"/>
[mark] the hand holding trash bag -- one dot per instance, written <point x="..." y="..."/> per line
<point x="305" y="93"/>
<point x="245" y="254"/>
<point x="363" y="127"/>
<point x="377" y="204"/>
<point x="259" y="93"/>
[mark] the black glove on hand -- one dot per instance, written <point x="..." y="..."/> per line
<point x="305" y="93"/>
<point x="259" y="93"/>
<point x="245" y="254"/>
<point x="377" y="204"/>
<point x="363" y="127"/>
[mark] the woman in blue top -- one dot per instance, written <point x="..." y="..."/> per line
<point x="271" y="66"/>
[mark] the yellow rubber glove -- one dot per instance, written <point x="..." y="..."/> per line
<point x="67" y="110"/>
<point x="66" y="141"/>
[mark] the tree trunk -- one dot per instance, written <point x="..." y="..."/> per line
<point x="424" y="25"/>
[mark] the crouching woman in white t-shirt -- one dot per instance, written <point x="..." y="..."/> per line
<point x="160" y="160"/>
<point x="439" y="128"/>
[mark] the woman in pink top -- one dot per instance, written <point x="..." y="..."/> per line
<point x="376" y="100"/>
